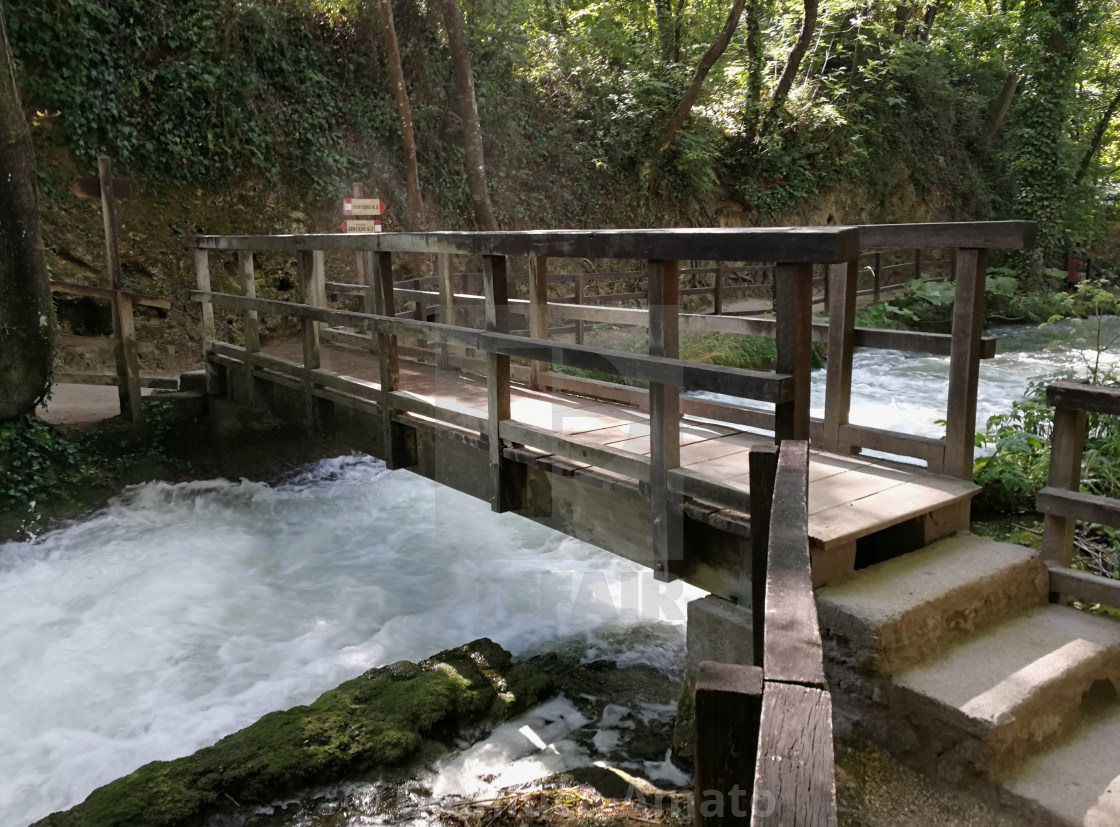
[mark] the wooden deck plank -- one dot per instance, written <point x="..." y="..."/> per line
<point x="850" y="521"/>
<point x="848" y="487"/>
<point x="849" y="496"/>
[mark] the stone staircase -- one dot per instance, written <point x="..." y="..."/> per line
<point x="952" y="658"/>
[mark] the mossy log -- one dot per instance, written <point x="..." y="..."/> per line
<point x="380" y="720"/>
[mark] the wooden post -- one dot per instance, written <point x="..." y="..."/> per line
<point x="446" y="303"/>
<point x="825" y="268"/>
<point x="388" y="361"/>
<point x="538" y="313"/>
<point x="717" y="303"/>
<point x="878" y="279"/>
<point x="964" y="362"/>
<point x="728" y="709"/>
<point x="918" y="264"/>
<point x="665" y="420"/>
<point x="793" y="309"/>
<point x="841" y="344"/>
<point x="202" y="280"/>
<point x="762" y="464"/>
<point x="369" y="300"/>
<point x="312" y="279"/>
<point x="361" y="261"/>
<point x="249" y="321"/>
<point x="506" y="477"/>
<point x="1065" y="472"/>
<point x="124" y="330"/>
<point x="579" y="300"/>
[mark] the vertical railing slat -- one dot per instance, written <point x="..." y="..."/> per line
<point x="793" y="309"/>
<point x="538" y="313"/>
<point x="964" y="362"/>
<point x="250" y="321"/>
<point x="505" y="476"/>
<point x="664" y="419"/>
<point x="843" y="279"/>
<point x="1066" y="449"/>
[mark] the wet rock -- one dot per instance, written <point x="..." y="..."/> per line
<point x="396" y="716"/>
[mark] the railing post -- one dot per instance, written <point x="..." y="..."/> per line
<point x="664" y="420"/>
<point x="878" y="278"/>
<point x="964" y="362"/>
<point x="202" y="280"/>
<point x="579" y="300"/>
<point x="728" y="709"/>
<point x="762" y="467"/>
<point x="918" y="263"/>
<point x="369" y="301"/>
<point x="1066" y="449"/>
<point x="312" y="283"/>
<point x="793" y="309"/>
<point x="843" y="279"/>
<point x="538" y="313"/>
<point x="249" y="321"/>
<point x="447" y="304"/>
<point x="507" y="478"/>
<point x="388" y="361"/>
<point x="717" y="303"/>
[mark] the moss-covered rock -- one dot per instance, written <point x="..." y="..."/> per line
<point x="379" y="720"/>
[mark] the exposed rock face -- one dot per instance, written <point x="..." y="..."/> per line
<point x="387" y="718"/>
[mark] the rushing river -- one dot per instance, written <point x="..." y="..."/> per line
<point x="181" y="613"/>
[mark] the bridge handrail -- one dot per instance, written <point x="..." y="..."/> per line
<point x="781" y="703"/>
<point x="1063" y="503"/>
<point x="788" y="387"/>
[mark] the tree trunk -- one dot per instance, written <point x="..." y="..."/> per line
<point x="999" y="109"/>
<point x="1098" y="138"/>
<point x="696" y="85"/>
<point x="789" y="72"/>
<point x="474" y="158"/>
<point x="404" y="113"/>
<point x="25" y="310"/>
<point x="754" y="66"/>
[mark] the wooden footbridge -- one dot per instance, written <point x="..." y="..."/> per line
<point x="470" y="389"/>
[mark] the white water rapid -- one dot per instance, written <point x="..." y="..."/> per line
<point x="182" y="613"/>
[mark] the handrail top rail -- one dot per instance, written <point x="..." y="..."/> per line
<point x="1066" y="393"/>
<point x="795" y="245"/>
<point x="1003" y="235"/>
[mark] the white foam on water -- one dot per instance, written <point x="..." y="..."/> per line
<point x="182" y="613"/>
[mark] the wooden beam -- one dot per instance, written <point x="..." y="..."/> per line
<point x="388" y="358"/>
<point x="1003" y="235"/>
<point x="166" y="383"/>
<point x="538" y="313"/>
<point x="790" y="244"/>
<point x="795" y="782"/>
<point x="761" y="385"/>
<point x="728" y="709"/>
<point x="841" y="344"/>
<point x="1077" y="505"/>
<point x="1091" y="398"/>
<point x="128" y="361"/>
<point x="664" y="422"/>
<point x="792" y="637"/>
<point x="447" y="305"/>
<point x="94" y="292"/>
<point x="1086" y="587"/>
<point x="762" y="465"/>
<point x="507" y="478"/>
<point x="793" y="308"/>
<point x="250" y="322"/>
<point x="964" y="362"/>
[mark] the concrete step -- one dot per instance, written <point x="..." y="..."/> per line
<point x="1077" y="781"/>
<point x="905" y="610"/>
<point x="1012" y="689"/>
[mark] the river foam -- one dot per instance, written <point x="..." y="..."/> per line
<point x="182" y="613"/>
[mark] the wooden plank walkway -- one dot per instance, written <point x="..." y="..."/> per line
<point x="850" y="497"/>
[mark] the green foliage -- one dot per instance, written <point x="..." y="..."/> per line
<point x="205" y="89"/>
<point x="40" y="463"/>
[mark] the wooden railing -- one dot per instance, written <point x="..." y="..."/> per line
<point x="1063" y="503"/>
<point x="965" y="345"/>
<point x="660" y="473"/>
<point x="764" y="747"/>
